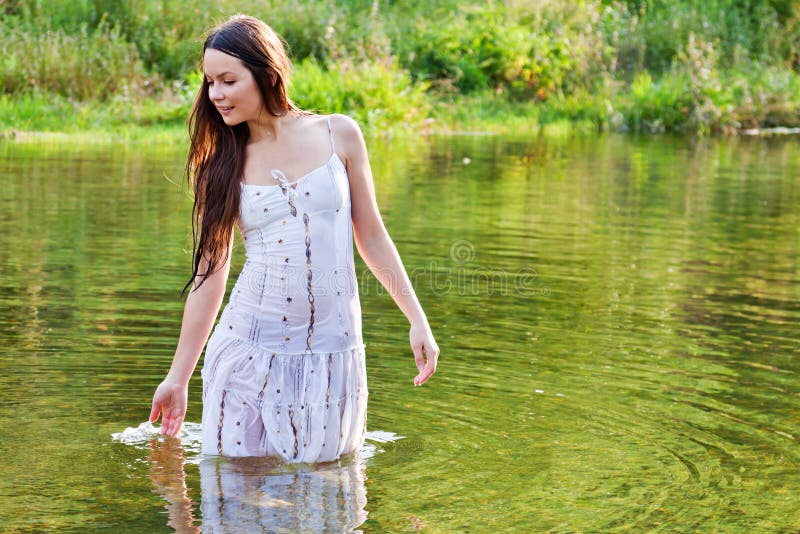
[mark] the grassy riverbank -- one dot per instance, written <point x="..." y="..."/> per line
<point x="98" y="67"/>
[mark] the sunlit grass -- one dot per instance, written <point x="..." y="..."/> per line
<point x="411" y="66"/>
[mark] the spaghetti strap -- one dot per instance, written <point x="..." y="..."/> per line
<point x="330" y="129"/>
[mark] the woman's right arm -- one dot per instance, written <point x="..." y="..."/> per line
<point x="199" y="314"/>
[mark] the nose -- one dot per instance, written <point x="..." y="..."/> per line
<point x="215" y="92"/>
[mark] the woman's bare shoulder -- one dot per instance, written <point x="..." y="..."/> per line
<point x="345" y="126"/>
<point x="348" y="137"/>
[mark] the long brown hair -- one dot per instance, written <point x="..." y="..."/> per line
<point x="215" y="164"/>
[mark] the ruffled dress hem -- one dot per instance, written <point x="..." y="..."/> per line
<point x="308" y="407"/>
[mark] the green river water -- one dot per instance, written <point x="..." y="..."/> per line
<point x="617" y="318"/>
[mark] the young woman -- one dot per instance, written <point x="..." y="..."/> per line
<point x="284" y="370"/>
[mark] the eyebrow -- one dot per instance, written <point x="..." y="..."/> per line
<point x="220" y="75"/>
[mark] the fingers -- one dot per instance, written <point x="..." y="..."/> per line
<point x="176" y="427"/>
<point x="430" y="367"/>
<point x="167" y="424"/>
<point x="154" y="412"/>
<point x="170" y="401"/>
<point x="167" y="419"/>
<point x="423" y="376"/>
<point x="173" y="419"/>
<point x="418" y="359"/>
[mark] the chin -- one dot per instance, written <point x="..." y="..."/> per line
<point x="230" y="121"/>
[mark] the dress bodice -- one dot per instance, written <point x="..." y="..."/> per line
<point x="297" y="291"/>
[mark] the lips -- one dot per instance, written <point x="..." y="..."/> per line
<point x="224" y="110"/>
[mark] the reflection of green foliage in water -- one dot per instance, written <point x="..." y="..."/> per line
<point x="641" y="380"/>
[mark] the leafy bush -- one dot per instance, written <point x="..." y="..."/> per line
<point x="87" y="65"/>
<point x="478" y="49"/>
<point x="650" y="65"/>
<point x="656" y="106"/>
<point x="379" y="95"/>
<point x="650" y="33"/>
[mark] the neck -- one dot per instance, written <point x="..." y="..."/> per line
<point x="268" y="126"/>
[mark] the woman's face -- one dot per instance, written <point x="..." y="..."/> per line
<point x="232" y="88"/>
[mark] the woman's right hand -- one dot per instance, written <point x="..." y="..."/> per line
<point x="170" y="401"/>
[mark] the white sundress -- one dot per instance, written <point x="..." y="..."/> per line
<point x="284" y="370"/>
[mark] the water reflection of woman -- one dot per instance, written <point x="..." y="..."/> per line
<point x="169" y="478"/>
<point x="261" y="494"/>
<point x="239" y="494"/>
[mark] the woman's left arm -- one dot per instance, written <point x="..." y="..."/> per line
<point x="377" y="248"/>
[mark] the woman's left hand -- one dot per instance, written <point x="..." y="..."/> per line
<point x="422" y="342"/>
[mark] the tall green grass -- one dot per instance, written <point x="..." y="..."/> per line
<point x="379" y="95"/>
<point x="88" y="64"/>
<point x="699" y="66"/>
